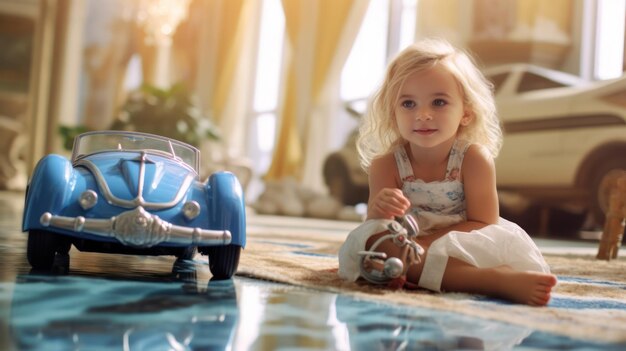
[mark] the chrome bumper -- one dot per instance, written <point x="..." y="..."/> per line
<point x="139" y="228"/>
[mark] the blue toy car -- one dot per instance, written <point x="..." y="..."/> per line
<point x="133" y="193"/>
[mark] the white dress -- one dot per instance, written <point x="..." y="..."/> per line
<point x="440" y="204"/>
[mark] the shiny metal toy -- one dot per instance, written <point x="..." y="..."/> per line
<point x="377" y="268"/>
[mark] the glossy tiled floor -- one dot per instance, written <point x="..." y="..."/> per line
<point x="113" y="302"/>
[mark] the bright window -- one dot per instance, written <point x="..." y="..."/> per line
<point x="269" y="62"/>
<point x="610" y="39"/>
<point x="378" y="41"/>
<point x="408" y="24"/>
<point x="362" y="72"/>
<point x="365" y="65"/>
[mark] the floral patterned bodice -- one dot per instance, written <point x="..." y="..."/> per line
<point x="435" y="204"/>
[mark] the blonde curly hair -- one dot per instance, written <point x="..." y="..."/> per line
<point x="378" y="131"/>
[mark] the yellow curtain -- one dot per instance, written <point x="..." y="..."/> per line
<point x="320" y="33"/>
<point x="207" y="48"/>
<point x="214" y="56"/>
<point x="287" y="156"/>
<point x="227" y="51"/>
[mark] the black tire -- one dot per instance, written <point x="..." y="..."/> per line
<point x="223" y="260"/>
<point x="601" y="172"/>
<point x="187" y="253"/>
<point x="42" y="247"/>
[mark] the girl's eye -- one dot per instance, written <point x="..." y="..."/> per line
<point x="439" y="102"/>
<point x="407" y="104"/>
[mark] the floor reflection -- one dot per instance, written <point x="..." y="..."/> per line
<point x="80" y="312"/>
<point x="76" y="313"/>
<point x="115" y="302"/>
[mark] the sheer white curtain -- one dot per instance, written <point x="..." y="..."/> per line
<point x="320" y="36"/>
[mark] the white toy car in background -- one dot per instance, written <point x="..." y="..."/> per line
<point x="563" y="135"/>
<point x="513" y="79"/>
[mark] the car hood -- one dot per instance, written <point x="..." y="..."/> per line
<point x="133" y="179"/>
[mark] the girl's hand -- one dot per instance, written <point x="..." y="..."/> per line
<point x="387" y="204"/>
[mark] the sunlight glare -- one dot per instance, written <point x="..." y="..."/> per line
<point x="610" y="38"/>
<point x="368" y="54"/>
<point x="269" y="61"/>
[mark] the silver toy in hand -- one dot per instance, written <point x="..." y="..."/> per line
<point x="377" y="268"/>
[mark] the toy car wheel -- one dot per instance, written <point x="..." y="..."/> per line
<point x="223" y="260"/>
<point x="42" y="247"/>
<point x="187" y="253"/>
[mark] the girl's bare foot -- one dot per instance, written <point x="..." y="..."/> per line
<point x="531" y="288"/>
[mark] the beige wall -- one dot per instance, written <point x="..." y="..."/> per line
<point x="501" y="31"/>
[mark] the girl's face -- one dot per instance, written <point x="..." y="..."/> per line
<point x="430" y="108"/>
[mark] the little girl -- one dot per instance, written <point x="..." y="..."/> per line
<point x="428" y="142"/>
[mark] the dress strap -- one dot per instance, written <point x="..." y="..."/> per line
<point x="404" y="164"/>
<point x="455" y="160"/>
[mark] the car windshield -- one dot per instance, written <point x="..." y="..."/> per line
<point x="95" y="142"/>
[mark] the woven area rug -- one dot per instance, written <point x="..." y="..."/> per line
<point x="589" y="301"/>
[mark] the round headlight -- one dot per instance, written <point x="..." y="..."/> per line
<point x="88" y="199"/>
<point x="191" y="209"/>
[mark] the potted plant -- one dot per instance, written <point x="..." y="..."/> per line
<point x="170" y="112"/>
